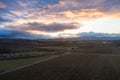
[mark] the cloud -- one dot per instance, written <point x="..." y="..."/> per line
<point x="103" y="6"/>
<point x="11" y="33"/>
<point x="39" y="8"/>
<point x="110" y="6"/>
<point x="2" y="20"/>
<point x="53" y="27"/>
<point x="64" y="11"/>
<point x="41" y="30"/>
<point x="51" y="1"/>
<point x="17" y="12"/>
<point x="83" y="14"/>
<point x="2" y="5"/>
<point x="6" y="33"/>
<point x="72" y="10"/>
<point x="22" y="4"/>
<point x="53" y="16"/>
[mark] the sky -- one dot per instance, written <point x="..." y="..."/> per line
<point x="35" y="19"/>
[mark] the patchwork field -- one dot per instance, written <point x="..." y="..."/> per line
<point x="71" y="67"/>
<point x="78" y="60"/>
<point x="6" y="65"/>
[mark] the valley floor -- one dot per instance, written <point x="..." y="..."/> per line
<point x="71" y="67"/>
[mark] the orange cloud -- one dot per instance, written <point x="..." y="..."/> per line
<point x="22" y="4"/>
<point x="17" y="12"/>
<point x="38" y="32"/>
<point x="83" y="14"/>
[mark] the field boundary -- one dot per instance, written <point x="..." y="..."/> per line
<point x="2" y="73"/>
<point x="98" y="54"/>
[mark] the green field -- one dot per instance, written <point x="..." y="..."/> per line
<point x="6" y="65"/>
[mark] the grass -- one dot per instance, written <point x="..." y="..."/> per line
<point x="6" y="65"/>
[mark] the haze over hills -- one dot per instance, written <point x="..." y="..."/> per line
<point x="93" y="34"/>
<point x="97" y="36"/>
<point x="80" y="36"/>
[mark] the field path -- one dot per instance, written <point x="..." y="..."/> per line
<point x="70" y="67"/>
<point x="2" y="73"/>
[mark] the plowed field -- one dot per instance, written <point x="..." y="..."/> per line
<point x="71" y="67"/>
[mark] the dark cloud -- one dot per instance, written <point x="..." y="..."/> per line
<point x="101" y="5"/>
<point x="53" y="27"/>
<point x="11" y="33"/>
<point x="110" y="6"/>
<point x="4" y="33"/>
<point x="4" y="20"/>
<point x="77" y="5"/>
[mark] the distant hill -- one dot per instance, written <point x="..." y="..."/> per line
<point x="81" y="36"/>
<point x="93" y="34"/>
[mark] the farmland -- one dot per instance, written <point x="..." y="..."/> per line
<point x="71" y="67"/>
<point x="6" y="65"/>
<point x="83" y="60"/>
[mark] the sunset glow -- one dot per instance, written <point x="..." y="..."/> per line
<point x="58" y="18"/>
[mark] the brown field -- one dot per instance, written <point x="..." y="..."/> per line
<point x="79" y="60"/>
<point x="71" y="67"/>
